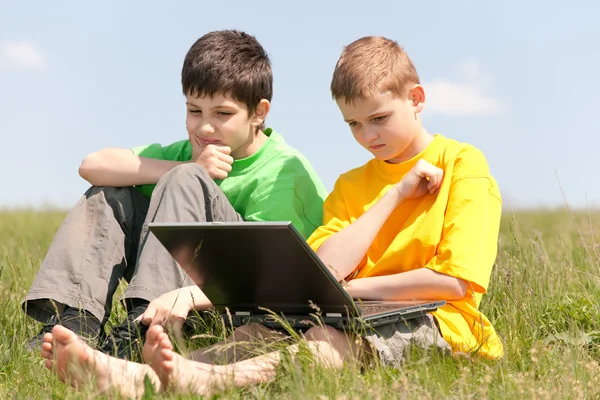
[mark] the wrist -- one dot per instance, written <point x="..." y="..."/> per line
<point x="396" y="197"/>
<point x="350" y="287"/>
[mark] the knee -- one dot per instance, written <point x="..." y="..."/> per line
<point x="246" y="332"/>
<point x="183" y="173"/>
<point x="110" y="194"/>
<point x="324" y="334"/>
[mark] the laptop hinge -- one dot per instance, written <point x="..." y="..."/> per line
<point x="242" y="313"/>
<point x="333" y="314"/>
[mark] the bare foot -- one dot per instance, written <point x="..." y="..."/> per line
<point x="177" y="373"/>
<point x="76" y="363"/>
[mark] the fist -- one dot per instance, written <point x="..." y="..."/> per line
<point x="423" y="178"/>
<point x="215" y="159"/>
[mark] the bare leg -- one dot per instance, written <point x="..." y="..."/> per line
<point x="247" y="341"/>
<point x="76" y="363"/>
<point x="328" y="346"/>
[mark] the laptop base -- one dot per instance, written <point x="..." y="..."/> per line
<point x="305" y="322"/>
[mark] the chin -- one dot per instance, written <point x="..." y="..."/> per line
<point x="383" y="156"/>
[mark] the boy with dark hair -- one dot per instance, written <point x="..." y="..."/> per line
<point x="229" y="169"/>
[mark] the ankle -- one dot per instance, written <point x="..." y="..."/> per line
<point x="135" y="307"/>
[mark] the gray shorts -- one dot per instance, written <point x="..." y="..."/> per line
<point x="391" y="343"/>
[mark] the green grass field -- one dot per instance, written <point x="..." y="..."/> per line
<point x="543" y="301"/>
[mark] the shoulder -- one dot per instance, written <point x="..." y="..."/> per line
<point x="287" y="158"/>
<point x="355" y="177"/>
<point x="173" y="151"/>
<point x="466" y="163"/>
<point x="283" y="167"/>
<point x="464" y="160"/>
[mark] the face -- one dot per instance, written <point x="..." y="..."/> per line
<point x="385" y="124"/>
<point x="222" y="120"/>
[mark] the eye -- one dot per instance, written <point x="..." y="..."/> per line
<point x="381" y="118"/>
<point x="224" y="113"/>
<point x="352" y="124"/>
<point x="195" y="111"/>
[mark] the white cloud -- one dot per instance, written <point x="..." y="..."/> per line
<point x="459" y="99"/>
<point x="22" y="54"/>
<point x="466" y="98"/>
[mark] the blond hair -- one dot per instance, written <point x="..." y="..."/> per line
<point x="371" y="64"/>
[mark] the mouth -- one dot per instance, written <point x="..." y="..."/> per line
<point x="206" y="142"/>
<point x="376" y="147"/>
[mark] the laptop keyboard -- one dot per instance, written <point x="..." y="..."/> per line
<point x="377" y="308"/>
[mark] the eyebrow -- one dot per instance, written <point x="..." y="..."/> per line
<point x="375" y="114"/>
<point x="213" y="108"/>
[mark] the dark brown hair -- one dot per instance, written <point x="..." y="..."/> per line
<point x="229" y="62"/>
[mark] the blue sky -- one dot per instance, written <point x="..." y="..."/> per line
<point x="516" y="79"/>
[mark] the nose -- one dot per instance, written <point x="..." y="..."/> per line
<point x="370" y="134"/>
<point x="206" y="129"/>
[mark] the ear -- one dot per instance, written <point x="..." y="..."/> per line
<point x="417" y="97"/>
<point x="262" y="110"/>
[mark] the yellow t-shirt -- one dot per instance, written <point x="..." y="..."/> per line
<point x="454" y="233"/>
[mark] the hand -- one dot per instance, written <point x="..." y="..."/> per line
<point x="215" y="159"/>
<point x="170" y="309"/>
<point x="423" y="178"/>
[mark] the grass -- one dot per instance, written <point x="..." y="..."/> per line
<point x="543" y="301"/>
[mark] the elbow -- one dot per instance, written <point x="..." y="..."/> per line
<point x="90" y="168"/>
<point x="457" y="290"/>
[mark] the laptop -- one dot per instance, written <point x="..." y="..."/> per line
<point x="266" y="272"/>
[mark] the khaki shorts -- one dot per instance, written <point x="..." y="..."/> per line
<point x="391" y="343"/>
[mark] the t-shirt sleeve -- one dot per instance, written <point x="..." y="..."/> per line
<point x="335" y="217"/>
<point x="469" y="243"/>
<point x="287" y="190"/>
<point x="178" y="151"/>
<point x="287" y="205"/>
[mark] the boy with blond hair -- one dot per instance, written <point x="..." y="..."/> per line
<point x="419" y="221"/>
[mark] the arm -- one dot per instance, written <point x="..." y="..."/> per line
<point x="343" y="251"/>
<point x="418" y="284"/>
<point x="464" y="257"/>
<point x="174" y="306"/>
<point x="120" y="167"/>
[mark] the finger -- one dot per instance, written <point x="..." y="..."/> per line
<point x="223" y="166"/>
<point x="432" y="174"/>
<point x="175" y="323"/>
<point x="159" y="318"/>
<point x="149" y="315"/>
<point x="216" y="173"/>
<point x="225" y="157"/>
<point x="440" y="179"/>
<point x="434" y="182"/>
<point x="431" y="187"/>
<point x="225" y="150"/>
<point x="425" y="170"/>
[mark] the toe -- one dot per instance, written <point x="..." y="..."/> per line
<point x="63" y="335"/>
<point x="46" y="354"/>
<point x="154" y="333"/>
<point x="165" y="343"/>
<point x="166" y="354"/>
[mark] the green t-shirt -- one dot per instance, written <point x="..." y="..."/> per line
<point x="277" y="183"/>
